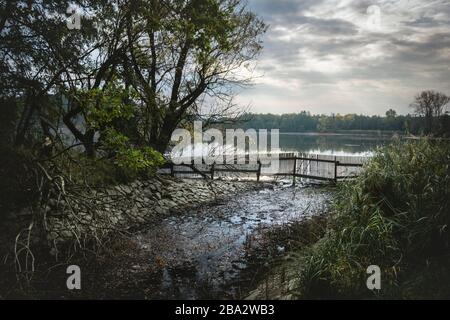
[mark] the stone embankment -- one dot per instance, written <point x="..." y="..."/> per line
<point x="95" y="213"/>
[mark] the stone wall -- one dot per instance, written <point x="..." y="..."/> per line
<point x="124" y="207"/>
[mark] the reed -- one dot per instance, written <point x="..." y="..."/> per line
<point x="395" y="215"/>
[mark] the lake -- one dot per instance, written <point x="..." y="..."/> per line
<point x="342" y="144"/>
<point x="337" y="144"/>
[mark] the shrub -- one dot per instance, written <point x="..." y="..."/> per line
<point x="395" y="215"/>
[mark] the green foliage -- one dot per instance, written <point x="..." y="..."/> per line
<point x="395" y="215"/>
<point x="135" y="161"/>
<point x="129" y="159"/>
<point x="104" y="110"/>
<point x="102" y="107"/>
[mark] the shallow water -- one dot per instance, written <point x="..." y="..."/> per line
<point x="209" y="253"/>
<point x="341" y="144"/>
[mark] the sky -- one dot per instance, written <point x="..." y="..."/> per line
<point x="342" y="56"/>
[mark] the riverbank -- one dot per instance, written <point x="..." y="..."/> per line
<point x="393" y="218"/>
<point x="86" y="221"/>
<point x="214" y="249"/>
<point x="126" y="206"/>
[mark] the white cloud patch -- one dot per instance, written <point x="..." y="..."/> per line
<point x="328" y="56"/>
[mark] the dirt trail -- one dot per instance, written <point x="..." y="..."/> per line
<point x="218" y="251"/>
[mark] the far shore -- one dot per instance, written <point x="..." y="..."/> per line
<point x="369" y="133"/>
<point x="346" y="133"/>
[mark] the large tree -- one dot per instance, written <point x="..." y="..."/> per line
<point x="36" y="50"/>
<point x="183" y="54"/>
<point x="173" y="59"/>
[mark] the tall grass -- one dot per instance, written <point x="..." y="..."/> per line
<point x="395" y="215"/>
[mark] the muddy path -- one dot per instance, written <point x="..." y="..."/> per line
<point x="215" y="252"/>
<point x="219" y="251"/>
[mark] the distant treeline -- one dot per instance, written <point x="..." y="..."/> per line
<point x="306" y="122"/>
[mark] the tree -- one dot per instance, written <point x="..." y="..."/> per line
<point x="99" y="70"/>
<point x="430" y="104"/>
<point x="36" y="51"/>
<point x="183" y="55"/>
<point x="391" y="113"/>
<point x="169" y="59"/>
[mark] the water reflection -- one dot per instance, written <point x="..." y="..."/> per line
<point x="333" y="144"/>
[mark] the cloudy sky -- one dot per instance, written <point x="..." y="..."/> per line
<point x="346" y="56"/>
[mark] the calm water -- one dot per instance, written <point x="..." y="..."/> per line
<point x="333" y="144"/>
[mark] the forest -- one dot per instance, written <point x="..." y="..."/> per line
<point x="307" y="122"/>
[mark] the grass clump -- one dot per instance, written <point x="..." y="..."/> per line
<point x="395" y="215"/>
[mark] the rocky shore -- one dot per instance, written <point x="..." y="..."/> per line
<point x="94" y="213"/>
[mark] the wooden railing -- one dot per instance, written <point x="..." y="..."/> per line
<point x="209" y="173"/>
<point x="302" y="163"/>
<point x="334" y="162"/>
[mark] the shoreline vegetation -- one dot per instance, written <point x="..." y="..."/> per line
<point x="395" y="215"/>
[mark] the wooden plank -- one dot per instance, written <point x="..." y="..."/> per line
<point x="350" y="164"/>
<point x="314" y="177"/>
<point x="236" y="170"/>
<point x="304" y="176"/>
<point x="317" y="160"/>
<point x="191" y="172"/>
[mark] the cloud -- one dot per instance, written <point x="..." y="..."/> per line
<point x="329" y="56"/>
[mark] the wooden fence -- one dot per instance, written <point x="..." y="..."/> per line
<point x="295" y="166"/>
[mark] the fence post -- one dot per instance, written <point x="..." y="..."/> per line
<point x="212" y="171"/>
<point x="258" y="174"/>
<point x="295" y="171"/>
<point x="172" y="172"/>
<point x="336" y="163"/>
<point x="317" y="163"/>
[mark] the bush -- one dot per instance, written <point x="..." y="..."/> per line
<point x="395" y="215"/>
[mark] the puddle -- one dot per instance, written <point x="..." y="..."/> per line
<point x="210" y="253"/>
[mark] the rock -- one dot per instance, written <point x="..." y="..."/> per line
<point x="126" y="189"/>
<point x="171" y="203"/>
<point x="139" y="202"/>
<point x="159" y="210"/>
